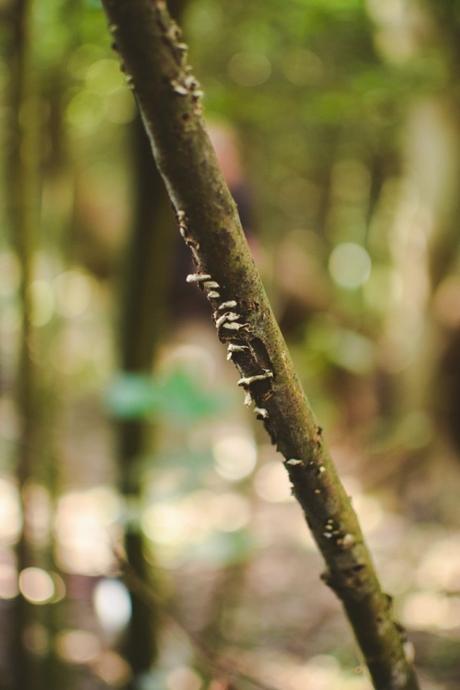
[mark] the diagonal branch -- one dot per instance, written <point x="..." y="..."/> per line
<point x="154" y="58"/>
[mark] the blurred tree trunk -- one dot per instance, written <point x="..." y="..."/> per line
<point x="445" y="247"/>
<point x="424" y="240"/>
<point x="154" y="58"/>
<point x="22" y="194"/>
<point x="143" y="324"/>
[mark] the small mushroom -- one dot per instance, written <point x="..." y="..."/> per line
<point x="197" y="277"/>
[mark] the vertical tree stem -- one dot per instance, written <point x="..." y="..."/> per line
<point x="154" y="58"/>
<point x="142" y="320"/>
<point x="22" y="178"/>
<point x="141" y="324"/>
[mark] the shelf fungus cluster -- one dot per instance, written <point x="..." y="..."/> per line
<point x="242" y="347"/>
<point x="309" y="476"/>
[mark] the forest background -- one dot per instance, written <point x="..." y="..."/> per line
<point x="337" y="126"/>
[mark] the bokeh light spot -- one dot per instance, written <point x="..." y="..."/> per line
<point x="249" y="69"/>
<point x="235" y="456"/>
<point x="350" y="265"/>
<point x="72" y="293"/>
<point x="112" y="604"/>
<point x="85" y="111"/>
<point x="112" y="668"/>
<point x="77" y="646"/>
<point x="120" y="107"/>
<point x="166" y="524"/>
<point x="36" y="585"/>
<point x="104" y="76"/>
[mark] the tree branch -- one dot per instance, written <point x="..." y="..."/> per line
<point x="154" y="58"/>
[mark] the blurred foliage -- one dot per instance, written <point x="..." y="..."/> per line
<point x="177" y="396"/>
<point x="335" y="98"/>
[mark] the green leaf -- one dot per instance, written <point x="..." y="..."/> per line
<point x="183" y="398"/>
<point x="131" y="396"/>
<point x="177" y="395"/>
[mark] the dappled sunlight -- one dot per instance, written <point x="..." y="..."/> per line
<point x="195" y="516"/>
<point x="83" y="519"/>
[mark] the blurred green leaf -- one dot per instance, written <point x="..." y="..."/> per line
<point x="136" y="396"/>
<point x="131" y="396"/>
<point x="184" y="398"/>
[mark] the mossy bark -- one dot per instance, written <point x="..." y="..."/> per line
<point x="154" y="58"/>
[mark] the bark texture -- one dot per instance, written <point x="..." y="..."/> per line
<point x="154" y="59"/>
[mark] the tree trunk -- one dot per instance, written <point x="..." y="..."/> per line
<point x="142" y="324"/>
<point x="22" y="178"/>
<point x="154" y="59"/>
